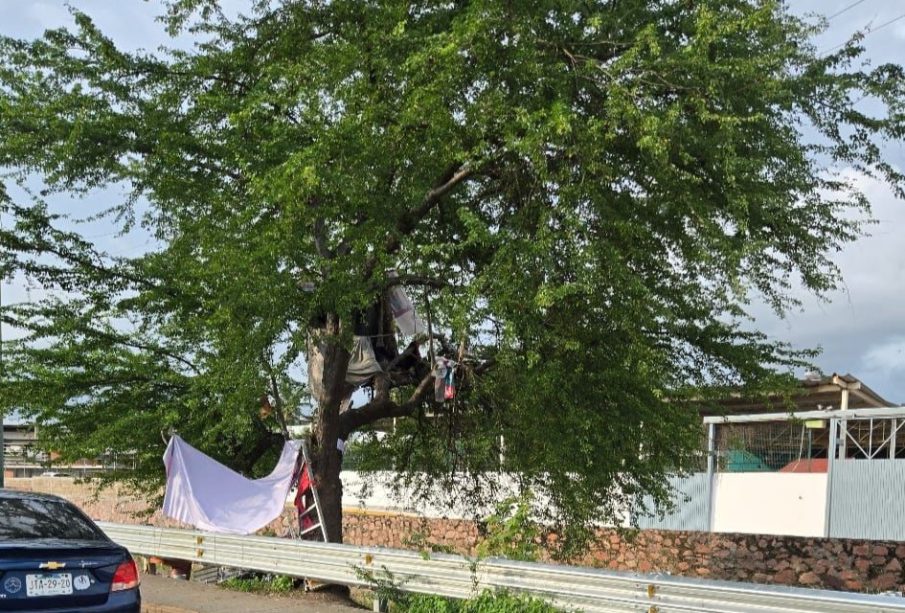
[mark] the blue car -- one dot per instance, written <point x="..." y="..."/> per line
<point x="53" y="558"/>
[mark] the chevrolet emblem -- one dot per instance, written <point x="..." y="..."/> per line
<point x="53" y="565"/>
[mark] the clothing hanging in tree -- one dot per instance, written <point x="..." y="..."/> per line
<point x="362" y="366"/>
<point x="404" y="311"/>
<point x="450" y="383"/>
<point x="363" y="363"/>
<point x="444" y="379"/>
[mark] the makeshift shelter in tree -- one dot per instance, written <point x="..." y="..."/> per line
<point x="579" y="198"/>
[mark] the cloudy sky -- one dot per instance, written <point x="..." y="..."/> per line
<point x="861" y="328"/>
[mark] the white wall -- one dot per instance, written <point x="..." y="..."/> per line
<point x="379" y="496"/>
<point x="791" y="504"/>
<point x="770" y="503"/>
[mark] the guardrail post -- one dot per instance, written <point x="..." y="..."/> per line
<point x="380" y="604"/>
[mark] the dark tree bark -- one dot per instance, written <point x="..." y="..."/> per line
<point x="327" y="465"/>
<point x="326" y="459"/>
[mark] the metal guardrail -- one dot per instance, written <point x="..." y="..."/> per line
<point x="585" y="589"/>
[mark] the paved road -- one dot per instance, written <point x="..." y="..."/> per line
<point x="163" y="595"/>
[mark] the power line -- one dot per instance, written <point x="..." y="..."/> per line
<point x="868" y="32"/>
<point x="881" y="26"/>
<point x="850" y="6"/>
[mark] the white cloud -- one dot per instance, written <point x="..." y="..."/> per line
<point x="887" y="358"/>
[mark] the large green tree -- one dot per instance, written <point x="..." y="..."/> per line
<point x="581" y="198"/>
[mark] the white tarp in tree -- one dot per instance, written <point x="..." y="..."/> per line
<point x="404" y="311"/>
<point x="206" y="494"/>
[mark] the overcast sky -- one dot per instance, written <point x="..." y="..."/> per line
<point x="861" y="328"/>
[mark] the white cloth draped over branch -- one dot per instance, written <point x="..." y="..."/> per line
<point x="206" y="494"/>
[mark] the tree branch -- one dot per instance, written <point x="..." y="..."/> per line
<point x="246" y="461"/>
<point x="320" y="238"/>
<point x="418" y="280"/>
<point x="128" y="342"/>
<point x="350" y="421"/>
<point x="480" y="369"/>
<point x="277" y="398"/>
<point x="451" y="177"/>
<point x="455" y="174"/>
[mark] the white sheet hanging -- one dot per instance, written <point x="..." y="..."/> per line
<point x="403" y="310"/>
<point x="206" y="494"/>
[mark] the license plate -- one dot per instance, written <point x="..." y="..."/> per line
<point x="48" y="585"/>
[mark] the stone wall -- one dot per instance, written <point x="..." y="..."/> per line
<point x="854" y="565"/>
<point x="839" y="564"/>
<point x="409" y="531"/>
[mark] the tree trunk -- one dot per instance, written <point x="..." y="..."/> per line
<point x="326" y="464"/>
<point x="326" y="459"/>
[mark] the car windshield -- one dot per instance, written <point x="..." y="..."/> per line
<point x="33" y="518"/>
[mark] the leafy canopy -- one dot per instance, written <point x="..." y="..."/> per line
<point x="581" y="198"/>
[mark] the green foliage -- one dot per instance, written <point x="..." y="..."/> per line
<point x="266" y="584"/>
<point x="486" y="602"/>
<point x="583" y="196"/>
<point x="384" y="584"/>
<point x="387" y="588"/>
<point x="510" y="532"/>
<point x="420" y="603"/>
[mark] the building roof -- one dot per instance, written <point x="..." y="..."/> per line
<point x="814" y="393"/>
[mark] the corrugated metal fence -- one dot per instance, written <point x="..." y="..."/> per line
<point x="867" y="499"/>
<point x="692" y="511"/>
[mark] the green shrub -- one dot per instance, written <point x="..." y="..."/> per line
<point x="429" y="604"/>
<point x="510" y="532"/>
<point x="262" y="584"/>
<point x="486" y="602"/>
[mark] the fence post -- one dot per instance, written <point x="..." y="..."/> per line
<point x="892" y="439"/>
<point x="711" y="470"/>
<point x="830" y="461"/>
